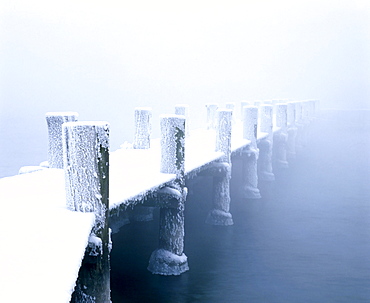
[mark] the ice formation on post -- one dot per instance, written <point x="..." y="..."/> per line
<point x="221" y="171"/>
<point x="143" y="127"/>
<point x="299" y="124"/>
<point x="242" y="105"/>
<point x="250" y="178"/>
<point x="54" y="121"/>
<point x="231" y="105"/>
<point x="292" y="130"/>
<point x="265" y="146"/>
<point x="183" y="110"/>
<point x="86" y="166"/>
<point x="170" y="259"/>
<point x="211" y="115"/>
<point x="281" y="138"/>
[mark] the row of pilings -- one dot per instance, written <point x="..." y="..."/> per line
<point x="274" y="130"/>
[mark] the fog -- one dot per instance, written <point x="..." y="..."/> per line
<point x="103" y="60"/>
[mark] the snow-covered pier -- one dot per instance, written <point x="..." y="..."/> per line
<point x="55" y="226"/>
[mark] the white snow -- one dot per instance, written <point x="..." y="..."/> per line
<point x="43" y="242"/>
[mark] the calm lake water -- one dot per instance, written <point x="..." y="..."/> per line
<point x="306" y="240"/>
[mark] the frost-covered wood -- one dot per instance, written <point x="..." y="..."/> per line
<point x="183" y="110"/>
<point x="250" y="155"/>
<point x="169" y="258"/>
<point x="55" y="121"/>
<point x="265" y="146"/>
<point x="281" y="137"/>
<point x="143" y="127"/>
<point x="292" y="131"/>
<point x="231" y="105"/>
<point x="220" y="214"/>
<point x="86" y="166"/>
<point x="211" y="115"/>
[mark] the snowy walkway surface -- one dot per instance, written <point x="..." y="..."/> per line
<point x="43" y="243"/>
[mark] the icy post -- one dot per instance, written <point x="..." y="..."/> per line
<point x="281" y="137"/>
<point x="250" y="155"/>
<point x="211" y="115"/>
<point x="221" y="172"/>
<point x="54" y="121"/>
<point x="265" y="146"/>
<point x="231" y="105"/>
<point x="143" y="127"/>
<point x="183" y="110"/>
<point x="299" y="124"/>
<point x="169" y="258"/>
<point x="257" y="103"/>
<point x="242" y="105"/>
<point x="86" y="167"/>
<point x="292" y="130"/>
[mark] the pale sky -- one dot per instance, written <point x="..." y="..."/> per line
<point x="103" y="58"/>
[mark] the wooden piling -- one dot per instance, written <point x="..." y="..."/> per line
<point x="183" y="110"/>
<point x="281" y="137"/>
<point x="292" y="131"/>
<point x="211" y="115"/>
<point x="221" y="172"/>
<point x="143" y="127"/>
<point x="86" y="166"/>
<point x="265" y="146"/>
<point x="250" y="155"/>
<point x="169" y="258"/>
<point x="55" y="121"/>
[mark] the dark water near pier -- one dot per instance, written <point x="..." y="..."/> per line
<point x="306" y="240"/>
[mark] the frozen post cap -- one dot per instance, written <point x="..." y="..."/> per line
<point x="282" y="115"/>
<point x="231" y="105"/>
<point x="211" y="115"/>
<point x="54" y="121"/>
<point x="143" y="127"/>
<point x="172" y="143"/>
<point x="183" y="110"/>
<point x="223" y="134"/>
<point x="250" y="122"/>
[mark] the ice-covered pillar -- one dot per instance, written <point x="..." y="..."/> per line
<point x="231" y="105"/>
<point x="221" y="172"/>
<point x="170" y="259"/>
<point x="242" y="105"/>
<point x="143" y="127"/>
<point x="250" y="178"/>
<point x="265" y="146"/>
<point x="55" y="121"/>
<point x="281" y="137"/>
<point x="292" y="131"/>
<point x="183" y="110"/>
<point x="86" y="166"/>
<point x="211" y="115"/>
<point x="299" y="124"/>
